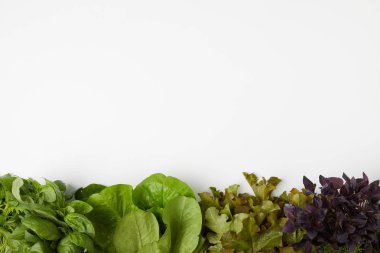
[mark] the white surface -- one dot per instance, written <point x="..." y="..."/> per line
<point x="111" y="91"/>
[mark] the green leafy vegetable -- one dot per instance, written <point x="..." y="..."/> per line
<point x="128" y="220"/>
<point x="37" y="217"/>
<point x="136" y="230"/>
<point x="79" y="222"/>
<point x="235" y="222"/>
<point x="183" y="219"/>
<point x="43" y="228"/>
<point x="161" y="215"/>
<point x="76" y="242"/>
<point x="84" y="193"/>
<point x="157" y="190"/>
<point x="109" y="206"/>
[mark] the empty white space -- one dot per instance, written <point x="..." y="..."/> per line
<point x="112" y="91"/>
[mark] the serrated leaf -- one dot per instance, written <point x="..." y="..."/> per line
<point x="217" y="223"/>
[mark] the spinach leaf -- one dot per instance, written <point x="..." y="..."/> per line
<point x="80" y="207"/>
<point x="84" y="193"/>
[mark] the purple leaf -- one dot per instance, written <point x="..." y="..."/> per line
<point x="336" y="182"/>
<point x="342" y="237"/>
<point x="309" y="186"/>
<point x="289" y="227"/>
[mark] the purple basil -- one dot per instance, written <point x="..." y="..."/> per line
<point x="345" y="214"/>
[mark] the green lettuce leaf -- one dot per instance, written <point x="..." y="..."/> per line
<point x="157" y="190"/>
<point x="134" y="231"/>
<point x="109" y="206"/>
<point x="183" y="219"/>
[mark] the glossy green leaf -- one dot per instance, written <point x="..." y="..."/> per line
<point x="40" y="247"/>
<point x="84" y="193"/>
<point x="43" y="228"/>
<point x="60" y="198"/>
<point x="75" y="242"/>
<point x="80" y="223"/>
<point x="80" y="206"/>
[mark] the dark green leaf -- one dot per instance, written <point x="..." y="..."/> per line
<point x="80" y="206"/>
<point x="43" y="228"/>
<point x="76" y="242"/>
<point x="80" y="223"/>
<point x="84" y="193"/>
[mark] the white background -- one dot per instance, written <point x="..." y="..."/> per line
<point x="111" y="91"/>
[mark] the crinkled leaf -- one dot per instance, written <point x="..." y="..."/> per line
<point x="217" y="223"/>
<point x="237" y="222"/>
<point x="262" y="189"/>
<point x="269" y="239"/>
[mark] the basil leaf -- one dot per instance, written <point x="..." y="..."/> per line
<point x="76" y="242"/>
<point x="79" y="222"/>
<point x="43" y="228"/>
<point x="80" y="206"/>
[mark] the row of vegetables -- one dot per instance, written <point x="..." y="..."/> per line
<point x="162" y="215"/>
